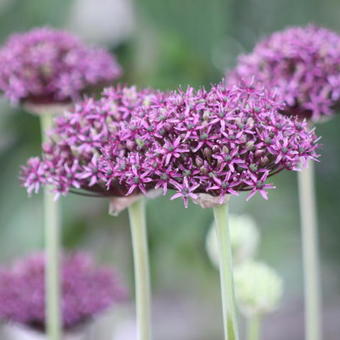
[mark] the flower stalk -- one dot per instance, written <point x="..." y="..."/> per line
<point x="226" y="273"/>
<point x="311" y="264"/>
<point x="253" y="327"/>
<point x="52" y="248"/>
<point x="141" y="268"/>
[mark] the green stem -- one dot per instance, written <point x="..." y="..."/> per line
<point x="310" y="253"/>
<point x="226" y="273"/>
<point x="253" y="327"/>
<point x="52" y="240"/>
<point x="141" y="268"/>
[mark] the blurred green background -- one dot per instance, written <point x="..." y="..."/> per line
<point x="165" y="44"/>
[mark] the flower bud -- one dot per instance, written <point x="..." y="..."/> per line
<point x="258" y="288"/>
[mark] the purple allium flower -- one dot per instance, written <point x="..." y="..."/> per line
<point x="302" y="63"/>
<point x="70" y="159"/>
<point x="87" y="290"/>
<point x="47" y="66"/>
<point x="216" y="142"/>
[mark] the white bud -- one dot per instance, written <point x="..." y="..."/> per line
<point x="258" y="288"/>
<point x="244" y="237"/>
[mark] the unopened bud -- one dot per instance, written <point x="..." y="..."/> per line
<point x="258" y="288"/>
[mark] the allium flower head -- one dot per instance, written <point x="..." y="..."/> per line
<point x="87" y="290"/>
<point x="70" y="159"/>
<point x="258" y="288"/>
<point x="302" y="63"/>
<point x="216" y="142"/>
<point x="47" y="66"/>
<point x="244" y="239"/>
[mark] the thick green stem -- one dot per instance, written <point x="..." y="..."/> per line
<point x="226" y="273"/>
<point x="52" y="240"/>
<point x="141" y="268"/>
<point x="253" y="327"/>
<point x="310" y="253"/>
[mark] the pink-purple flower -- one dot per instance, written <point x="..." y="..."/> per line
<point x="216" y="142"/>
<point x="302" y="63"/>
<point x="87" y="290"/>
<point x="52" y="66"/>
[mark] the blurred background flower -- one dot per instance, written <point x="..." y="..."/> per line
<point x="180" y="42"/>
<point x="87" y="291"/>
<point x="47" y="66"/>
<point x="302" y="64"/>
<point x="110" y="23"/>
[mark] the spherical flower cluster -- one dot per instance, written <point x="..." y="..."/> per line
<point x="303" y="64"/>
<point x="50" y="66"/>
<point x="258" y="288"/>
<point x="244" y="239"/>
<point x="87" y="290"/>
<point x="70" y="159"/>
<point x="216" y="142"/>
